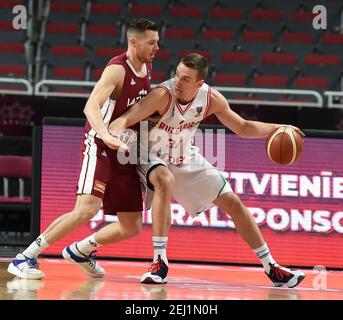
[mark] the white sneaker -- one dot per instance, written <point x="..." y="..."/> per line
<point x="282" y="276"/>
<point x="87" y="263"/>
<point x="25" y="268"/>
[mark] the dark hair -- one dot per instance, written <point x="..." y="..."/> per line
<point x="141" y="25"/>
<point x="197" y="62"/>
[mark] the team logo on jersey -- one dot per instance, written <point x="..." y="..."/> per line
<point x="99" y="186"/>
<point x="133" y="82"/>
<point x="198" y="110"/>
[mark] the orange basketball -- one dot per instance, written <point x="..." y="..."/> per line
<point x="284" y="145"/>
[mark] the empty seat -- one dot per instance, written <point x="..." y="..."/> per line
<point x="279" y="81"/>
<point x="301" y="37"/>
<point x="60" y="33"/>
<point x="14" y="168"/>
<point x="102" y="35"/>
<point x="311" y="83"/>
<point x="235" y="62"/>
<point x="229" y="79"/>
<point x="105" y="14"/>
<point x="258" y="36"/>
<point x="65" y="12"/>
<point x="149" y="11"/>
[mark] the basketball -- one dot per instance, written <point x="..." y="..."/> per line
<point x="284" y="145"/>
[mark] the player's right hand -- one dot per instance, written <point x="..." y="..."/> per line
<point x="114" y="142"/>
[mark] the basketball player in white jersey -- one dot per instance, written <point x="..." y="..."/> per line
<point x="103" y="181"/>
<point x="176" y="169"/>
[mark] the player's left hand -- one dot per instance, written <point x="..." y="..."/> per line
<point x="297" y="130"/>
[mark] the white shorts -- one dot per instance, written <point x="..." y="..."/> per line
<point x="197" y="183"/>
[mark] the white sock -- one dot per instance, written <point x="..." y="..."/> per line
<point x="160" y="248"/>
<point x="87" y="245"/>
<point x="36" y="247"/>
<point x="265" y="257"/>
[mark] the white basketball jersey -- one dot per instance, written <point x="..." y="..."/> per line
<point x="171" y="134"/>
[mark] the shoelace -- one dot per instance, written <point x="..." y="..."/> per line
<point x="91" y="260"/>
<point x="32" y="262"/>
<point x="155" y="266"/>
<point x="278" y="272"/>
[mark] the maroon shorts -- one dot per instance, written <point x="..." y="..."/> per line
<point x="102" y="176"/>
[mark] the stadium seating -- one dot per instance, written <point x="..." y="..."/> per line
<point x="247" y="42"/>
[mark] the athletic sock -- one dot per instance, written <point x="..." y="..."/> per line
<point x="36" y="247"/>
<point x="265" y="257"/>
<point x="87" y="245"/>
<point x="160" y="248"/>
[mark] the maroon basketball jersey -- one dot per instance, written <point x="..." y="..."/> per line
<point x="134" y="88"/>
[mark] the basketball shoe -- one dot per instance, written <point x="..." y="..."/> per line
<point x="87" y="263"/>
<point x="282" y="276"/>
<point x="25" y="268"/>
<point x="157" y="273"/>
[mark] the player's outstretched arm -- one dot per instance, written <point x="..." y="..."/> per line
<point x="157" y="100"/>
<point x="112" y="77"/>
<point x="244" y="128"/>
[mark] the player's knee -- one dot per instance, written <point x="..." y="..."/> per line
<point x="164" y="183"/>
<point x="86" y="211"/>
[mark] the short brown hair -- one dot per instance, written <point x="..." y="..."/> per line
<point x="140" y="25"/>
<point x="198" y="62"/>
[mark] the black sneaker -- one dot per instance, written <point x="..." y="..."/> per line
<point x="282" y="276"/>
<point x="157" y="272"/>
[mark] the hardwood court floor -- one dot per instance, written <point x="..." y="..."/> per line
<point x="65" y="281"/>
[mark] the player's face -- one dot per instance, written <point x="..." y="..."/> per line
<point x="186" y="83"/>
<point x="147" y="46"/>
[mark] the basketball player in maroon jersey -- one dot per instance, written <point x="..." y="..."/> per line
<point x="124" y="81"/>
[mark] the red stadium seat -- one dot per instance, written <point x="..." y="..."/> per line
<point x="297" y="37"/>
<point x="182" y="11"/>
<point x="6" y="26"/>
<point x="96" y="73"/>
<point x="258" y="36"/>
<point x="15" y="167"/>
<point x="145" y="10"/>
<point x="108" y="52"/>
<point x="12" y="70"/>
<point x="179" y="33"/>
<point x="240" y="57"/>
<point x="332" y="38"/>
<point x="68" y="50"/>
<point x="102" y="30"/>
<point x="9" y="4"/>
<point x="158" y="76"/>
<point x="270" y="81"/>
<point x="234" y="14"/>
<point x="311" y="82"/>
<point x="319" y="59"/>
<point x="66" y="7"/>
<point x="271" y="15"/>
<point x="279" y="58"/>
<point x="106" y="8"/>
<point x="218" y="34"/>
<point x="303" y="16"/>
<point x="69" y="73"/>
<point x="163" y="54"/>
<point x="63" y="28"/>
<point x="12" y="47"/>
<point x="229" y="79"/>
